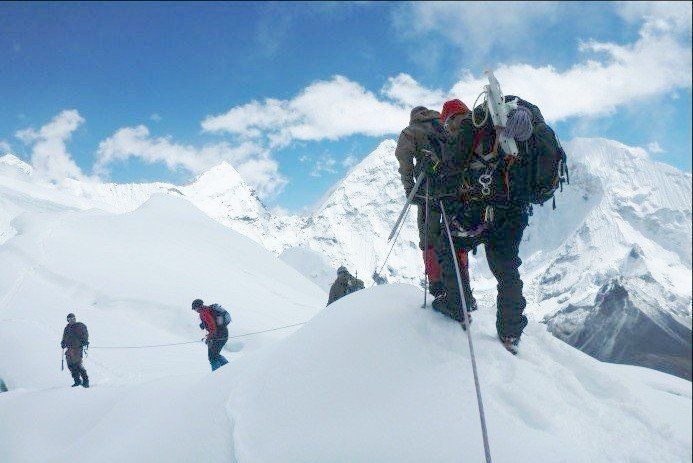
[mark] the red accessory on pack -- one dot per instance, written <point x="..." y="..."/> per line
<point x="452" y="107"/>
<point x="432" y="265"/>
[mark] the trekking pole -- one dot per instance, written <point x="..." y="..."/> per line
<point x="410" y="197"/>
<point x="62" y="360"/>
<point x="480" y="404"/>
<point x="426" y="282"/>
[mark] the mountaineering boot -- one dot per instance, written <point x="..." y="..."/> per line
<point x="510" y="343"/>
<point x="85" y="383"/>
<point x="442" y="304"/>
<point x="77" y="383"/>
<point x="436" y="288"/>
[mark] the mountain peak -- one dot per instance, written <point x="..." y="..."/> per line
<point x="9" y="159"/>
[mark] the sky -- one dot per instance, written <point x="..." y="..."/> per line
<point x="295" y="94"/>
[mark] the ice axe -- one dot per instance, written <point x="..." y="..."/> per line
<point x="499" y="111"/>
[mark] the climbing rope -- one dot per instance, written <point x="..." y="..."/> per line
<point x="479" y="401"/>
<point x="200" y="340"/>
<point x="519" y="125"/>
<point x="392" y="246"/>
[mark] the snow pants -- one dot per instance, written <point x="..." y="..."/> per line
<point x="502" y="254"/>
<point x="214" y="346"/>
<point x="73" y="356"/>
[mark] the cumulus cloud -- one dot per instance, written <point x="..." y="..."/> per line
<point x="5" y="147"/>
<point x="252" y="161"/>
<point x="468" y="24"/>
<point x="328" y="109"/>
<point x="609" y="76"/>
<point x="655" y="148"/>
<point x="49" y="154"/>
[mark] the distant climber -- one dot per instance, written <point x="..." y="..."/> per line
<point x="345" y="284"/>
<point x="423" y="135"/>
<point x="215" y="319"/>
<point x="75" y="339"/>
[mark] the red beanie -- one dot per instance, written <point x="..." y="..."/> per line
<point x="452" y="107"/>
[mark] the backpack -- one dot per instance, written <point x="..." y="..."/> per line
<point x="541" y="166"/>
<point x="353" y="285"/>
<point x="221" y="316"/>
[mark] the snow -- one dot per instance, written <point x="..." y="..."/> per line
<point x="311" y="265"/>
<point x="132" y="277"/>
<point x="373" y="378"/>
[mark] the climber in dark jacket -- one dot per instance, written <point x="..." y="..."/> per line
<point x="75" y="339"/>
<point x="345" y="284"/>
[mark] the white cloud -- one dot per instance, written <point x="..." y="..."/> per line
<point x="5" y="147"/>
<point x="659" y="16"/>
<point x="655" y="148"/>
<point x="155" y="117"/>
<point x="326" y="164"/>
<point x="329" y="110"/>
<point x="252" y="161"/>
<point x="407" y="91"/>
<point x="349" y="161"/>
<point x="49" y="154"/>
<point x="469" y="25"/>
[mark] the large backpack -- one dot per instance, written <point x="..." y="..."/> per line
<point x="221" y="316"/>
<point x="540" y="168"/>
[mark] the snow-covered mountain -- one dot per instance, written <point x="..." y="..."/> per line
<point x="372" y="379"/>
<point x="618" y="198"/>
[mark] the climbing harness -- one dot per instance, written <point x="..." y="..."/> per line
<point x="480" y="404"/>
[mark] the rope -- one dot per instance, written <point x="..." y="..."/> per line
<point x="195" y="342"/>
<point x="480" y="124"/>
<point x="519" y="125"/>
<point x="480" y="403"/>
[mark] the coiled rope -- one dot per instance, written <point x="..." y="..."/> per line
<point x="519" y="124"/>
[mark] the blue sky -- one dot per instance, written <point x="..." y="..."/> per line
<point x="294" y="94"/>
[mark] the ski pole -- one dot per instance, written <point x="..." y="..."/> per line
<point x="410" y="197"/>
<point x="426" y="280"/>
<point x="62" y="359"/>
<point x="480" y="404"/>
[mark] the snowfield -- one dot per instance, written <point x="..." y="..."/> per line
<point x="373" y="378"/>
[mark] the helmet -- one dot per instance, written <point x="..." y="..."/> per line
<point x="71" y="316"/>
<point x="197" y="303"/>
<point x="341" y="270"/>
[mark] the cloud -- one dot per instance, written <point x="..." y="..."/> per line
<point x="655" y="148"/>
<point x="349" y="161"/>
<point x="155" y="117"/>
<point x="326" y="164"/>
<point x="324" y="110"/>
<point x="468" y="25"/>
<point x="674" y="17"/>
<point x="49" y="155"/>
<point x="5" y="147"/>
<point x="252" y="161"/>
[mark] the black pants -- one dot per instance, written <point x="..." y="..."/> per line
<point x="214" y="346"/>
<point x="73" y="355"/>
<point x="502" y="254"/>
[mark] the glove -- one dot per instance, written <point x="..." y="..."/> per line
<point x="202" y="326"/>
<point x="86" y="345"/>
<point x="62" y="344"/>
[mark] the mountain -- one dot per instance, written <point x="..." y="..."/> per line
<point x="372" y="378"/>
<point x="618" y="198"/>
<point x="132" y="277"/>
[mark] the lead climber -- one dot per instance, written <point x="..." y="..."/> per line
<point x="345" y="284"/>
<point x="75" y="339"/>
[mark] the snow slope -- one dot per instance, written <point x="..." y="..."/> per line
<point x="131" y="278"/>
<point x="374" y="378"/>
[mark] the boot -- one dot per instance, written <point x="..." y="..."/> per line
<point x="85" y="378"/>
<point x="436" y="288"/>
<point x="442" y="304"/>
<point x="510" y="343"/>
<point x="77" y="383"/>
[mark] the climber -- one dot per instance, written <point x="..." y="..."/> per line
<point x="215" y="319"/>
<point x="345" y="284"/>
<point x="423" y="135"/>
<point x="75" y="339"/>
